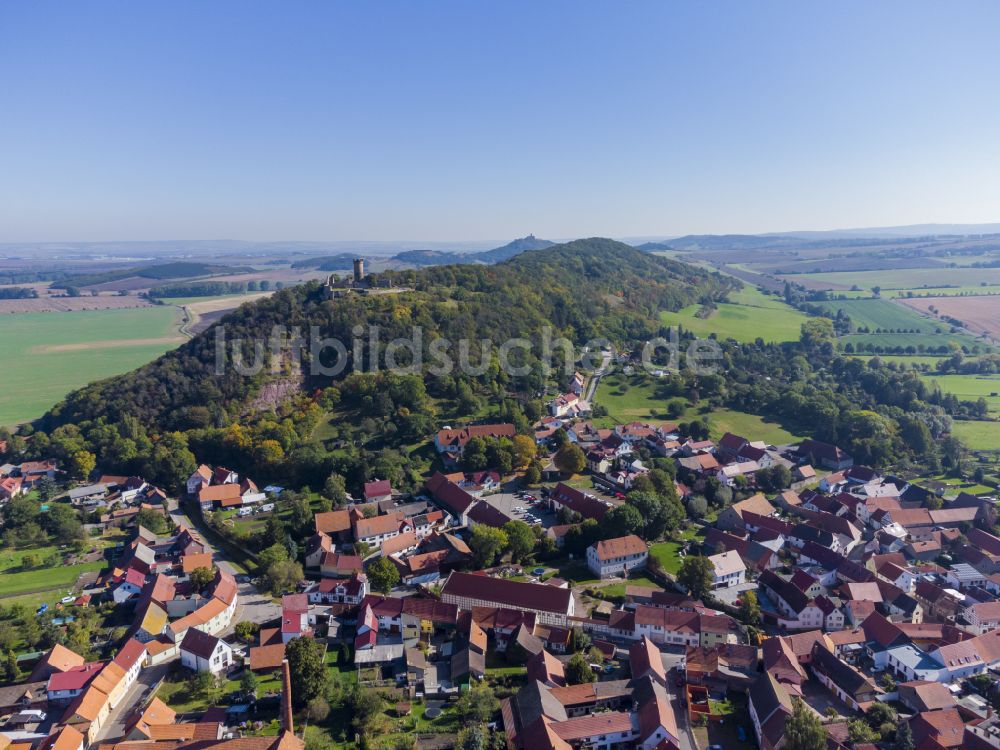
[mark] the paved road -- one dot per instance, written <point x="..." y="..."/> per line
<point x="670" y="661"/>
<point x="136" y="696"/>
<point x="252" y="605"/>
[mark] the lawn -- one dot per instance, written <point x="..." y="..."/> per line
<point x="748" y="315"/>
<point x="666" y="553"/>
<point x="44" y="579"/>
<point x="50" y="354"/>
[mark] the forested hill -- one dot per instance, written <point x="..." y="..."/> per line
<point x="583" y="289"/>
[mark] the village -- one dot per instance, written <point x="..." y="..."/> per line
<point x="649" y="588"/>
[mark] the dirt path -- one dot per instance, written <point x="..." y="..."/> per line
<point x="107" y="344"/>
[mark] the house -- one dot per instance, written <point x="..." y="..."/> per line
<point x="826" y="455"/>
<point x="770" y="705"/>
<point x="377" y="491"/>
<point x="551" y="605"/>
<point x="88" y="495"/>
<point x="924" y="695"/>
<point x="10" y="487"/>
<point x="348" y="591"/>
<point x="337" y="565"/>
<point x="983" y="616"/>
<point x="841" y="679"/>
<point x="221" y="496"/>
<point x="731" y="519"/>
<point x="944" y="728"/>
<point x="728" y="570"/>
<point x="612" y="557"/>
<point x="577" y="501"/>
<point x="202" y="476"/>
<point x="202" y="652"/>
<point x="451" y="442"/>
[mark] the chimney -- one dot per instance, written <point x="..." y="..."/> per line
<point x="286" y="698"/>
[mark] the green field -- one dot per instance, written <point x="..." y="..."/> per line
<point x="747" y="316"/>
<point x="970" y="387"/>
<point x="50" y="354"/>
<point x="979" y="436"/>
<point x="976" y="435"/>
<point x="884" y="314"/>
<point x="43" y="579"/>
<point x="901" y="359"/>
<point x="640" y="403"/>
<point x="917" y="279"/>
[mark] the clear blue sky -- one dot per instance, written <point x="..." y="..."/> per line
<point x="473" y="120"/>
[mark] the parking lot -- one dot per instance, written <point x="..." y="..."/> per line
<point x="521" y="508"/>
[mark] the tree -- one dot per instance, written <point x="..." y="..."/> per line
<point x="335" y="489"/>
<point x="153" y="520"/>
<point x="246" y="631"/>
<point x="578" y="671"/>
<point x="283" y="576"/>
<point x="202" y="577"/>
<point x="520" y="539"/>
<point x="860" y="732"/>
<point x="486" y="543"/>
<point x="472" y="738"/>
<point x="696" y="575"/>
<point x="383" y="575"/>
<point x="206" y="686"/>
<point x="274" y="554"/>
<point x="306" y="669"/>
<point x="249" y="682"/>
<point x="524" y="450"/>
<point x="880" y="714"/>
<point x="750" y="608"/>
<point x="904" y="737"/>
<point x="569" y="459"/>
<point x="533" y="474"/>
<point x="81" y="464"/>
<point x="622" y="520"/>
<point x="12" y="671"/>
<point x="318" y="709"/>
<point x="803" y="730"/>
<point x="478" y="704"/>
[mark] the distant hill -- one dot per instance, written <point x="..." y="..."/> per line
<point x="339" y="262"/>
<point x="511" y="249"/>
<point x="496" y="255"/>
<point x="654" y="247"/>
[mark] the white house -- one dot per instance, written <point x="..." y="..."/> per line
<point x="202" y="652"/>
<point x="617" y="556"/>
<point x="729" y="570"/>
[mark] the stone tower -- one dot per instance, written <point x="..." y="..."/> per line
<point x="359" y="269"/>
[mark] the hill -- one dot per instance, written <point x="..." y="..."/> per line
<point x="581" y="290"/>
<point x="496" y="255"/>
<point x="339" y="262"/>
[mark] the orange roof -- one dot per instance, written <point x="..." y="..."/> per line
<point x="68" y="738"/>
<point x="333" y="522"/>
<point x="219" y="493"/>
<point x="190" y="563"/>
<point x="620" y="547"/>
<point x="62" y="658"/>
<point x="88" y="705"/>
<point x="267" y="657"/>
<point x="109" y="678"/>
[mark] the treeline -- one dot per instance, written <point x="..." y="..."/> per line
<point x="212" y="288"/>
<point x="18" y="292"/>
<point x="175" y="270"/>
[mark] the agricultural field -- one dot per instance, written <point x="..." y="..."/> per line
<point x="982" y="436"/>
<point x="749" y="315"/>
<point x="904" y="278"/>
<point x="978" y="314"/>
<point x="50" y="354"/>
<point x="892" y="325"/>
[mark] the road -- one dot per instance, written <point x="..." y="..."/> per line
<point x="670" y="662"/>
<point x="114" y="725"/>
<point x="595" y="378"/>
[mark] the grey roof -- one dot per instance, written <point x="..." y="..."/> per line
<point x="87" y="491"/>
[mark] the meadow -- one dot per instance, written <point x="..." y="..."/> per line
<point x="50" y="354"/>
<point x="748" y="315"/>
<point x="640" y="402"/>
<point x="983" y="436"/>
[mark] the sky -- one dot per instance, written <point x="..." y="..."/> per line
<point x="457" y="121"/>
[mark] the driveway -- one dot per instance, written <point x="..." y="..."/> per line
<point x="136" y="696"/>
<point x="731" y="594"/>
